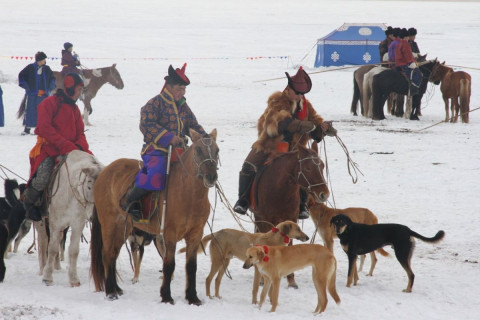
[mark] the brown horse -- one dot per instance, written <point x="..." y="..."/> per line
<point x="358" y="88"/>
<point x="277" y="188"/>
<point x="186" y="214"/>
<point x="454" y="85"/>
<point x="94" y="80"/>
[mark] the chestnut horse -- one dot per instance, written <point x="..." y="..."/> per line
<point x="94" y="80"/>
<point x="187" y="212"/>
<point x="277" y="188"/>
<point x="454" y="85"/>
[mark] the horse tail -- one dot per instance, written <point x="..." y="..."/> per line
<point x="205" y="241"/>
<point x="23" y="106"/>
<point x="97" y="271"/>
<point x="465" y="88"/>
<point x="366" y="95"/>
<point x="356" y="97"/>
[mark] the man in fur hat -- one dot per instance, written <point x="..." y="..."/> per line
<point x="165" y="120"/>
<point x="289" y="117"/>
<point x="60" y="130"/>
<point x="38" y="81"/>
<point x="383" y="46"/>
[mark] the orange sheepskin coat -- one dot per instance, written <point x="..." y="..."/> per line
<point x="281" y="107"/>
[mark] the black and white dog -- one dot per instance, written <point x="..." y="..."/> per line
<point x="12" y="219"/>
<point x="357" y="239"/>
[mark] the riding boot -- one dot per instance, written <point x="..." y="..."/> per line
<point x="132" y="204"/>
<point x="303" y="213"/>
<point x="31" y="196"/>
<point x="244" y="182"/>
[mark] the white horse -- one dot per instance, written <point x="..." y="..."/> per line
<point x="71" y="205"/>
<point x="367" y="90"/>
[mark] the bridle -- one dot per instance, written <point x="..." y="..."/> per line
<point x="316" y="160"/>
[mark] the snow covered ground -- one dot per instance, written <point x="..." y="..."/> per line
<point x="425" y="179"/>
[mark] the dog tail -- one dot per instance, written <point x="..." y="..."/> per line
<point x="205" y="241"/>
<point x="383" y="252"/>
<point x="12" y="192"/>
<point x="439" y="236"/>
<point x="332" y="279"/>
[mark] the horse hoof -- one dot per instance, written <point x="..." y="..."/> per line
<point x="195" y="302"/>
<point x="294" y="286"/>
<point x="48" y="282"/>
<point x="112" y="297"/>
<point x="169" y="300"/>
<point x="75" y="284"/>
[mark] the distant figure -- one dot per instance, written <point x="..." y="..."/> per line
<point x="38" y="81"/>
<point x="70" y="60"/>
<point x="412" y="33"/>
<point x="2" y="115"/>
<point x="383" y="46"/>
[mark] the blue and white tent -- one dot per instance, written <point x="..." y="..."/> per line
<point x="352" y="43"/>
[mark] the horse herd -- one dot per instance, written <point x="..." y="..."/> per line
<point x="374" y="85"/>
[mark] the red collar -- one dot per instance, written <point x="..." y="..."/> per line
<point x="286" y="239"/>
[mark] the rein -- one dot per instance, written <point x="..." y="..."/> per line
<point x="207" y="141"/>
<point x="301" y="174"/>
<point x="75" y="192"/>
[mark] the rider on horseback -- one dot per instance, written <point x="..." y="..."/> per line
<point x="164" y="120"/>
<point x="69" y="61"/>
<point x="289" y="117"/>
<point x="60" y="129"/>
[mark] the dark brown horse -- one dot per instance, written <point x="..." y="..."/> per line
<point x="454" y="85"/>
<point x="187" y="212"/>
<point x="94" y="80"/>
<point x="277" y="188"/>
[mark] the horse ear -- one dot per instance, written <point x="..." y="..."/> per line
<point x="443" y="63"/>
<point x="114" y="65"/>
<point x="213" y="134"/>
<point x="315" y="147"/>
<point x="91" y="171"/>
<point x="195" y="135"/>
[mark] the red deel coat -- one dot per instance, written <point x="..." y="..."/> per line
<point x="403" y="54"/>
<point x="62" y="129"/>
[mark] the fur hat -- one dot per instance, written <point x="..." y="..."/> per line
<point x="301" y="82"/>
<point x="177" y="76"/>
<point x="70" y="81"/>
<point x="39" y="56"/>
<point x="396" y="32"/>
<point x="412" y="32"/>
<point x="389" y="31"/>
<point x="67" y="45"/>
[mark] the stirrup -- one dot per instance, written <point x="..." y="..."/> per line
<point x="134" y="209"/>
<point x="33" y="213"/>
<point x="304" y="214"/>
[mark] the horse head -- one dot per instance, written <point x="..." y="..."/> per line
<point x="205" y="156"/>
<point x="114" y="77"/>
<point x="310" y="173"/>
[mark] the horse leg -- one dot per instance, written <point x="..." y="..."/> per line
<point x="447" y="116"/>
<point x="399" y="109"/>
<point x="168" y="269"/>
<point x="42" y="244"/>
<point x="87" y="109"/>
<point x="73" y="251"/>
<point x="455" y="108"/>
<point x="53" y="249"/>
<point x="191" y="267"/>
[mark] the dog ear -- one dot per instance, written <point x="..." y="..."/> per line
<point x="260" y="255"/>
<point x="286" y="228"/>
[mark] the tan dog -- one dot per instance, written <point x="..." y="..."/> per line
<point x="321" y="216"/>
<point x="276" y="262"/>
<point x="229" y="243"/>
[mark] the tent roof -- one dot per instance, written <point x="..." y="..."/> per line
<point x="357" y="32"/>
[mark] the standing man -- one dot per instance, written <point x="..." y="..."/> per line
<point x="165" y="120"/>
<point x="60" y="130"/>
<point x="38" y="81"/>
<point x="289" y="117"/>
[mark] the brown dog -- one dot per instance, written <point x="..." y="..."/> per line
<point x="276" y="262"/>
<point x="229" y="243"/>
<point x="321" y="216"/>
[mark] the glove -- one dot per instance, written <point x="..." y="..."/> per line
<point x="328" y="129"/>
<point x="302" y="127"/>
<point x="177" y="141"/>
<point x="412" y="65"/>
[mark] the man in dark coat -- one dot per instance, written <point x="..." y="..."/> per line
<point x="165" y="120"/>
<point x="70" y="61"/>
<point x="383" y="46"/>
<point x="38" y="81"/>
<point x="60" y="130"/>
<point x="412" y="33"/>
